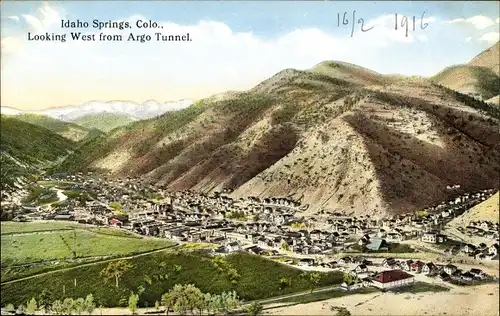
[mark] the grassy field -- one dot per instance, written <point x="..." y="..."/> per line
<point x="419" y="287"/>
<point x="259" y="278"/>
<point x="71" y="244"/>
<point x="16" y="227"/>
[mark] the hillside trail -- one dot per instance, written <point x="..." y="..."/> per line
<point x="90" y="264"/>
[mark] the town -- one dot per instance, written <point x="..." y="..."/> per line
<point x="272" y="227"/>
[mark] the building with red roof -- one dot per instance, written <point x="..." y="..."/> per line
<point x="392" y="279"/>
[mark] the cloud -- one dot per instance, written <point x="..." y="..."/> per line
<point x="10" y="46"/>
<point x="490" y="37"/>
<point x="47" y="17"/>
<point x="218" y="59"/>
<point x="13" y="18"/>
<point x="480" y="22"/>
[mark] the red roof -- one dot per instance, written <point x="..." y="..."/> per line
<point x="391" y="276"/>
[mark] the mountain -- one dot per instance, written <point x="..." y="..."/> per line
<point x="65" y="129"/>
<point x="145" y="110"/>
<point x="5" y="110"/>
<point x="337" y="137"/>
<point x="479" y="77"/>
<point x="104" y="121"/>
<point x="489" y="59"/>
<point x="26" y="149"/>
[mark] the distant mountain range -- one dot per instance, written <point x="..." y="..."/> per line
<point x="135" y="111"/>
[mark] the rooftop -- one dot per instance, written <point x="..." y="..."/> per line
<point x="391" y="276"/>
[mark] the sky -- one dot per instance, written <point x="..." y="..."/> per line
<point x="234" y="45"/>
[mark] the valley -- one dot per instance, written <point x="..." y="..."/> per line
<point x="330" y="189"/>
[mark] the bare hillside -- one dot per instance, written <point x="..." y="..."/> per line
<point x="479" y="77"/>
<point x="342" y="138"/>
<point x="489" y="59"/>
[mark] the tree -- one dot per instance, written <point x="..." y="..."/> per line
<point x="348" y="279"/>
<point x="194" y="297"/>
<point x="254" y="309"/>
<point x="89" y="304"/>
<point x="284" y="282"/>
<point x="314" y="277"/>
<point x="177" y="268"/>
<point x="157" y="306"/>
<point x="115" y="269"/>
<point x="167" y="300"/>
<point x="284" y="246"/>
<point x="44" y="301"/>
<point x="132" y="302"/>
<point x="79" y="305"/>
<point x="68" y="305"/>
<point x="21" y="308"/>
<point x="10" y="308"/>
<point x="58" y="307"/>
<point x="31" y="306"/>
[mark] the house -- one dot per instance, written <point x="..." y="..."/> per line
<point x="467" y="276"/>
<point x="444" y="276"/>
<point x="417" y="266"/>
<point x="361" y="269"/>
<point x="449" y="269"/>
<point x="493" y="250"/>
<point x="232" y="247"/>
<point x="306" y="262"/>
<point x="345" y="260"/>
<point x="429" y="268"/>
<point x="395" y="237"/>
<point x="478" y="273"/>
<point x="392" y="279"/>
<point x="66" y="217"/>
<point x="116" y="222"/>
<point x="429" y="237"/>
<point x="377" y="244"/>
<point x="440" y="238"/>
<point x="468" y="248"/>
<point x="391" y="264"/>
<point x="406" y="265"/>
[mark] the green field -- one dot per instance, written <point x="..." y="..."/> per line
<point x="259" y="278"/>
<point x="15" y="227"/>
<point x="57" y="245"/>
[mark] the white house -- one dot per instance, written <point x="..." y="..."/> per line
<point x="429" y="237"/>
<point x="232" y="247"/>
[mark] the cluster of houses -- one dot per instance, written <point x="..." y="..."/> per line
<point x="398" y="273"/>
<point x="268" y="224"/>
<point x="485" y="229"/>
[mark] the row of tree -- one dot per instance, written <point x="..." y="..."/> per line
<point x="68" y="306"/>
<point x="184" y="298"/>
<point x="180" y="299"/>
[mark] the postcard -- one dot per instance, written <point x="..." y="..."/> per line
<point x="250" y="158"/>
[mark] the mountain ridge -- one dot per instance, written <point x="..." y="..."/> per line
<point x="339" y="138"/>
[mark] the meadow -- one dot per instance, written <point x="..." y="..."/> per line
<point x="56" y="245"/>
<point x="35" y="247"/>
<point x="16" y="227"/>
<point x="256" y="278"/>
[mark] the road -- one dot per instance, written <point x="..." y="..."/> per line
<point x="91" y="263"/>
<point x="279" y="298"/>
